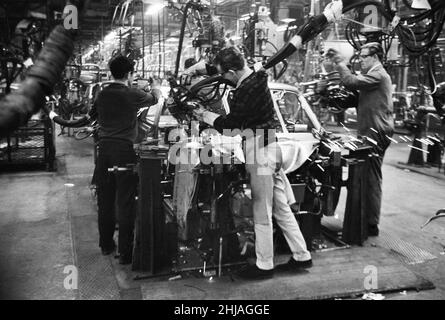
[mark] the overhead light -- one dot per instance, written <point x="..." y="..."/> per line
<point x="110" y="36"/>
<point x="421" y="4"/>
<point x="244" y="17"/>
<point x="288" y="20"/>
<point x="154" y="8"/>
<point x="235" y="38"/>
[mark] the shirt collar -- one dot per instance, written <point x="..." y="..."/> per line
<point x="120" y="82"/>
<point x="243" y="77"/>
<point x="374" y="67"/>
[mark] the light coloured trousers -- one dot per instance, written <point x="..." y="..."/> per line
<point x="270" y="198"/>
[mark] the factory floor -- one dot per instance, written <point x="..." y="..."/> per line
<point x="48" y="236"/>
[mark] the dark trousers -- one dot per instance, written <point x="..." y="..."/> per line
<point x="372" y="195"/>
<point x="116" y="190"/>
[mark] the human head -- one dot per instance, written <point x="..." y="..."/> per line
<point x="370" y="54"/>
<point x="121" y="67"/>
<point x="230" y="63"/>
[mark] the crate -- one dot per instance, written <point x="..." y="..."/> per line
<point x="32" y="144"/>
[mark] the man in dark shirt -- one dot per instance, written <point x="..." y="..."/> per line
<point x="116" y="107"/>
<point x="252" y="111"/>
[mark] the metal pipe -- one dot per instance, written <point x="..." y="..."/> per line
<point x="220" y="256"/>
<point x="143" y="40"/>
<point x="159" y="46"/>
<point x="181" y="37"/>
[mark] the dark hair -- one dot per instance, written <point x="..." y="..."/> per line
<point x="189" y="62"/>
<point x="120" y="66"/>
<point x="229" y="59"/>
<point x="374" y="48"/>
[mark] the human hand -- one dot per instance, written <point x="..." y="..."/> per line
<point x="199" y="113"/>
<point x="258" y="67"/>
<point x="333" y="11"/>
<point x="334" y="56"/>
<point x="185" y="80"/>
<point x="156" y="83"/>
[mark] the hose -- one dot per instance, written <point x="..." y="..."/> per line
<point x="17" y="107"/>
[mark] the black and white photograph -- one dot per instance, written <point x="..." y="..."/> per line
<point x="222" y="158"/>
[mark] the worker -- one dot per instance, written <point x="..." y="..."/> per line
<point x="251" y="108"/>
<point x="374" y="118"/>
<point x="116" y="107"/>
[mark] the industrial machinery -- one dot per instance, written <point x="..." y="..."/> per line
<point x="402" y="25"/>
<point x="215" y="198"/>
<point x="209" y="201"/>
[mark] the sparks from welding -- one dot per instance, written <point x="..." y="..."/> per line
<point x="337" y="144"/>
<point x="354" y="138"/>
<point x="428" y="142"/>
<point x="424" y="141"/>
<point x="408" y="138"/>
<point x="421" y="141"/>
<point x="433" y="138"/>
<point x="344" y="127"/>
<point x="393" y="140"/>
<point x="350" y="146"/>
<point x="374" y="130"/>
<point x="424" y="151"/>
<point x="404" y="140"/>
<point x="352" y="143"/>
<point x="371" y="140"/>
<point x="328" y="146"/>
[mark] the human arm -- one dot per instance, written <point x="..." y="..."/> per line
<point x="233" y="120"/>
<point x="307" y="32"/>
<point x="350" y="80"/>
<point x="200" y="68"/>
<point x="145" y="99"/>
<point x="357" y="82"/>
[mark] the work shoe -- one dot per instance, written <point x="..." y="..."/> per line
<point x="373" y="230"/>
<point x="108" y="250"/>
<point x="293" y="264"/>
<point x="125" y="259"/>
<point x="252" y="272"/>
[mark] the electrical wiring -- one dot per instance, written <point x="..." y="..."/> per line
<point x="274" y="46"/>
<point x="431" y="73"/>
<point x="417" y="40"/>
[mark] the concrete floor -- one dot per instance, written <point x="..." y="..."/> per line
<point x="53" y="226"/>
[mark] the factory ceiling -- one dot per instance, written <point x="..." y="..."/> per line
<point x="97" y="20"/>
